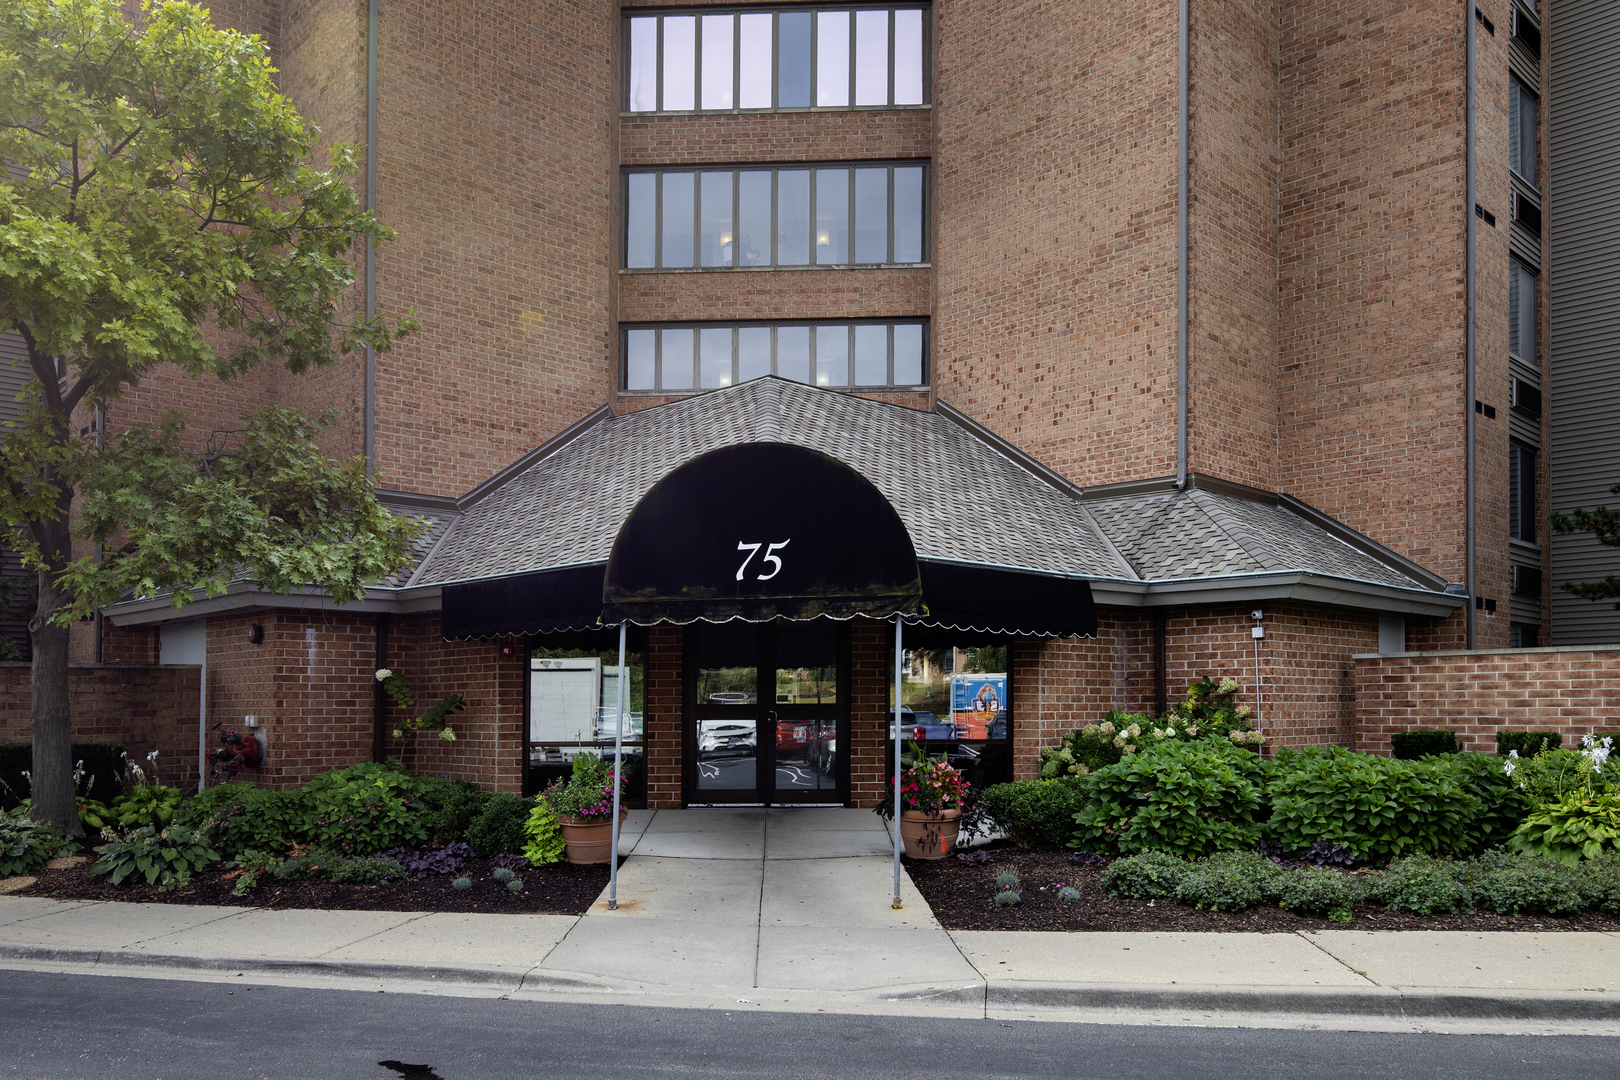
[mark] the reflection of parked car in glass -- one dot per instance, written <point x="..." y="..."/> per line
<point x="826" y="750"/>
<point x="732" y="697"/>
<point x="924" y="726"/>
<point x="726" y="736"/>
<point x="607" y="720"/>
<point x="792" y="740"/>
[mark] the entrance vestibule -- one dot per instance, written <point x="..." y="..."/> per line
<point x="766" y="713"/>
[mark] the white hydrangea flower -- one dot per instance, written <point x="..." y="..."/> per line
<point x="1228" y="686"/>
<point x="383" y="674"/>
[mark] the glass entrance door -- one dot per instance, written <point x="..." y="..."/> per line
<point x="766" y="713"/>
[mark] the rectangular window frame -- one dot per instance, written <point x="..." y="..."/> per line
<point x="775" y="326"/>
<point x="736" y="60"/>
<point x="1521" y="274"/>
<point x="1522" y="493"/>
<point x="1516" y="131"/>
<point x="775" y="170"/>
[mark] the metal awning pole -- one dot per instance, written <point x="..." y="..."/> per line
<point x="618" y="781"/>
<point x="897" y="631"/>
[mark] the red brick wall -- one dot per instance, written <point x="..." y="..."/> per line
<point x="662" y="723"/>
<point x="144" y="708"/>
<point x="1476" y="694"/>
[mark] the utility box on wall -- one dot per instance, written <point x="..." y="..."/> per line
<point x="183" y="643"/>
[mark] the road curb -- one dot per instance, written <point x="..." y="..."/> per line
<point x="1373" y="1002"/>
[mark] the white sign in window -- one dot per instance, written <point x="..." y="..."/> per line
<point x="564" y="699"/>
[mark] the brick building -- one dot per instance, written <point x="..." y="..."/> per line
<point x="1235" y="315"/>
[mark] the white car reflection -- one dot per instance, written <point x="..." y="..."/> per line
<point x="723" y="736"/>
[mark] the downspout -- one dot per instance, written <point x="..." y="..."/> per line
<point x="1182" y="142"/>
<point x="1470" y="536"/>
<point x="371" y="250"/>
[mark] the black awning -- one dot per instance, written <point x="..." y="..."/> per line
<point x="544" y="602"/>
<point x="986" y="600"/>
<point x="760" y="531"/>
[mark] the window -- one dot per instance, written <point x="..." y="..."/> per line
<point x="1521" y="311"/>
<point x="837" y="215"/>
<point x="705" y="356"/>
<point x="573" y="707"/>
<point x="1522" y="131"/>
<point x="1523" y="636"/>
<point x="793" y="59"/>
<point x="1521" y="492"/>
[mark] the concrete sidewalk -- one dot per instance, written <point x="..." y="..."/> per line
<point x="789" y="909"/>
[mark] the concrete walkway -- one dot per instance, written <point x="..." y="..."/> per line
<point x="789" y="909"/>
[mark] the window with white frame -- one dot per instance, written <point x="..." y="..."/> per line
<point x="838" y="354"/>
<point x="1521" y="311"/>
<point x="1522" y="131"/>
<point x="796" y="58"/>
<point x="802" y="215"/>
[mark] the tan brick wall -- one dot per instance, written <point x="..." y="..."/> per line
<point x="1478" y="693"/>
<point x="1232" y="241"/>
<point x="754" y="138"/>
<point x="1055" y="229"/>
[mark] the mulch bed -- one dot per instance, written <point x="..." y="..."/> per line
<point x="562" y="889"/>
<point x="961" y="896"/>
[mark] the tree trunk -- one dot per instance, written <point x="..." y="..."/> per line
<point x="54" y="799"/>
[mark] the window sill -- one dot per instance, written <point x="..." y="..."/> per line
<point x="1523" y="546"/>
<point x="634" y="270"/>
<point x="711" y="389"/>
<point x="829" y="109"/>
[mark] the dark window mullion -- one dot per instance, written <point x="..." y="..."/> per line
<point x="658" y="220"/>
<point x="815" y="57"/>
<point x="736" y="214"/>
<point x="658" y="359"/>
<point x="889" y="339"/>
<point x="776" y="59"/>
<point x="849" y="340"/>
<point x="889" y="250"/>
<point x="891" y="56"/>
<point x="658" y="68"/>
<point x="815" y="256"/>
<point x="697" y="65"/>
<point x="849" y="197"/>
<point x="736" y="76"/>
<point x="774" y="201"/>
<point x="852" y="25"/>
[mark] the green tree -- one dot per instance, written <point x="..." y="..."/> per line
<point x="1605" y="525"/>
<point x="157" y="198"/>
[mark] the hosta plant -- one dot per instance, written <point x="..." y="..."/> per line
<point x="167" y="858"/>
<point x="26" y="846"/>
<point x="1577" y="826"/>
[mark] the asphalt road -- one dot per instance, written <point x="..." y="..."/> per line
<point x="67" y="1027"/>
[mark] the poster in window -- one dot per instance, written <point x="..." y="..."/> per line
<point x="979" y="705"/>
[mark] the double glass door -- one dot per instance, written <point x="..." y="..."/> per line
<point x="766" y="712"/>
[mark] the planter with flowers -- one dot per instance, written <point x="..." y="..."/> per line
<point x="931" y="795"/>
<point x="583" y="805"/>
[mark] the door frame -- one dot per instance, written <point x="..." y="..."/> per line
<point x="765" y="716"/>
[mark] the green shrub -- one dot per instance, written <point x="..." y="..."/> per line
<point x="241" y="816"/>
<point x="167" y="858"/>
<point x="1599" y="883"/>
<point x="26" y="846"/>
<point x="1422" y="742"/>
<point x="1229" y="881"/>
<point x="1187" y="798"/>
<point x="448" y="807"/>
<point x="1377" y="807"/>
<point x="249" y="867"/>
<point x="499" y="828"/>
<point x="366" y="870"/>
<point x="1571" y="829"/>
<point x="1502" y="804"/>
<point x="362" y="809"/>
<point x="1520" y="885"/>
<point x="544" y="842"/>
<point x="1527" y="743"/>
<point x="99" y="767"/>
<point x="1317" y="891"/>
<point x="1420" y="884"/>
<point x="146" y="804"/>
<point x="1144" y="877"/>
<point x="1036" y="813"/>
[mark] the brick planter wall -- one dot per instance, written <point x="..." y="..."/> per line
<point x="1478" y="693"/>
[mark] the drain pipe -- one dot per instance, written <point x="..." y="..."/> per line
<point x="1182" y="143"/>
<point x="1470" y="390"/>
<point x="370" y="435"/>
<point x="897" y="811"/>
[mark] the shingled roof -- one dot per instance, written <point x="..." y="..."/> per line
<point x="963" y="495"/>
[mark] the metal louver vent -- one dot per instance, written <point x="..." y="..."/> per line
<point x="1527" y="581"/>
<point x="1525" y="397"/>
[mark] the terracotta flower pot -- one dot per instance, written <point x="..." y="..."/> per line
<point x="930" y="834"/>
<point x="588" y="841"/>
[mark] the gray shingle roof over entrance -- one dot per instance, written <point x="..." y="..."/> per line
<point x="961" y="494"/>
<point x="960" y="497"/>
